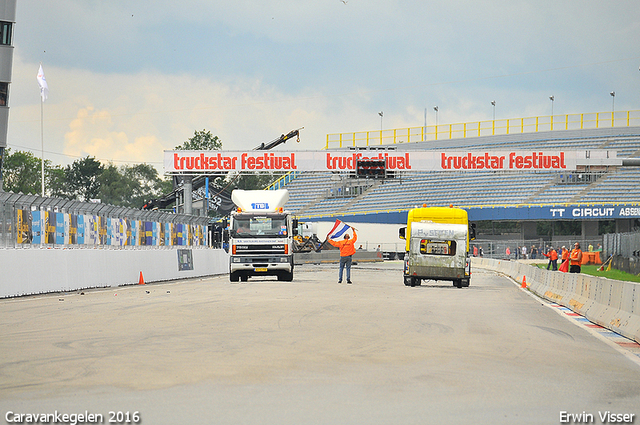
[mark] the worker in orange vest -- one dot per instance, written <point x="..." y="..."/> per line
<point x="552" y="255"/>
<point x="575" y="258"/>
<point x="565" y="253"/>
<point x="347" y="249"/>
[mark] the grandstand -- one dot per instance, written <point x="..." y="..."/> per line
<point x="322" y="196"/>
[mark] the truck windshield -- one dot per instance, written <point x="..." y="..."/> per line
<point x="263" y="226"/>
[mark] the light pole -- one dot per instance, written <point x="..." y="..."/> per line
<point x="424" y="137"/>
<point x="435" y="108"/>
<point x="493" y="123"/>
<point x="613" y="101"/>
<point x="613" y="106"/>
<point x="381" y="115"/>
<point x="552" y="98"/>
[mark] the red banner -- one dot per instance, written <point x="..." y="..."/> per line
<point x="178" y="162"/>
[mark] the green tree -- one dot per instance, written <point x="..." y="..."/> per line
<point x="201" y="140"/>
<point x="114" y="187"/>
<point x="56" y="182"/>
<point x="253" y="181"/>
<point x="22" y="172"/>
<point x="145" y="183"/>
<point x="83" y="178"/>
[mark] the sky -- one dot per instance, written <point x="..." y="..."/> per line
<point x="130" y="79"/>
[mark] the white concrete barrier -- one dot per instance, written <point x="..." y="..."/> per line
<point x="612" y="304"/>
<point x="36" y="271"/>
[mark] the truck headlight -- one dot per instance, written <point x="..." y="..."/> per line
<point x="235" y="259"/>
<point x="284" y="260"/>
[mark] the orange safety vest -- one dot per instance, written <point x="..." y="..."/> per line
<point x="347" y="246"/>
<point x="575" y="256"/>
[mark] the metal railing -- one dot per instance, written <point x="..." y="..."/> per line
<point x="484" y="128"/>
<point x="282" y="181"/>
<point x="30" y="221"/>
<point x="625" y="244"/>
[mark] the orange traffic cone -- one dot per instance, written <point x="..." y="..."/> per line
<point x="141" y="281"/>
<point x="524" y="282"/>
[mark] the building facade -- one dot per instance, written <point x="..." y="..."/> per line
<point x="7" y="23"/>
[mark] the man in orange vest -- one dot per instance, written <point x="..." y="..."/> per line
<point x="552" y="255"/>
<point x="347" y="249"/>
<point x="575" y="259"/>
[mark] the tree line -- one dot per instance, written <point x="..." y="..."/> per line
<point x="126" y="185"/>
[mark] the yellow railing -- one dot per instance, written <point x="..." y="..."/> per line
<point x="484" y="128"/>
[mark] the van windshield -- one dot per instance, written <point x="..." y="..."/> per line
<point x="429" y="247"/>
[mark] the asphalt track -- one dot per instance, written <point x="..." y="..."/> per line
<point x="309" y="352"/>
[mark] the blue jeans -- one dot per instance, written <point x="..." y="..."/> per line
<point x="345" y="261"/>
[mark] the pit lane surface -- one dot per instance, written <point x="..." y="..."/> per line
<point x="309" y="352"/>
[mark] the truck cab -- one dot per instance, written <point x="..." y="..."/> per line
<point x="261" y="235"/>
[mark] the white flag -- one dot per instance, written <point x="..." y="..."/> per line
<point x="42" y="82"/>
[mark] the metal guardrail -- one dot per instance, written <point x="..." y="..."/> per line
<point x="484" y="128"/>
<point x="30" y="221"/>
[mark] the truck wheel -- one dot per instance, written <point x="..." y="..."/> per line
<point x="465" y="283"/>
<point x="244" y="278"/>
<point x="285" y="276"/>
<point x="234" y="277"/>
<point x="407" y="280"/>
<point x="457" y="283"/>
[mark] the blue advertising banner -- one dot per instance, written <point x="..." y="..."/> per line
<point x="168" y="228"/>
<point x="148" y="233"/>
<point x="59" y="228"/>
<point x="578" y="212"/>
<point x="81" y="229"/>
<point x="36" y="227"/>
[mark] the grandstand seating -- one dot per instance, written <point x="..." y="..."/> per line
<point x="310" y="193"/>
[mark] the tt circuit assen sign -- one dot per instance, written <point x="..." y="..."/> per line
<point x="202" y="162"/>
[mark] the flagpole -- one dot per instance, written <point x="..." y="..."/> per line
<point x="44" y="90"/>
<point x="42" y="142"/>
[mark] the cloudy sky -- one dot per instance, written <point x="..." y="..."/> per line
<point x="129" y="79"/>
